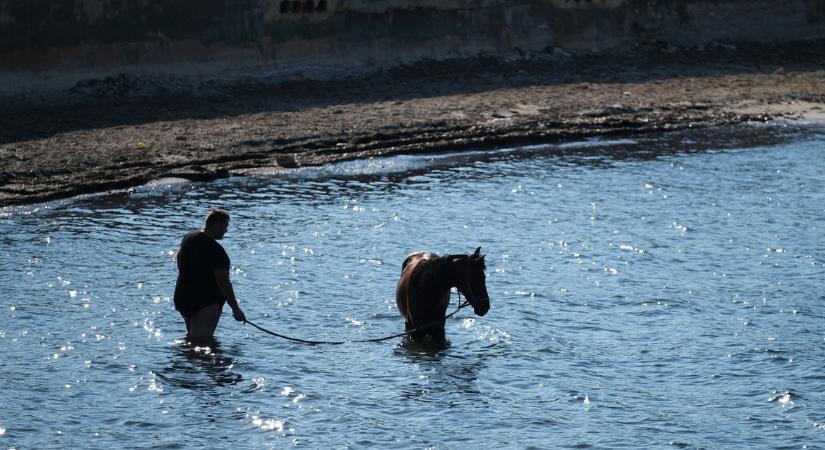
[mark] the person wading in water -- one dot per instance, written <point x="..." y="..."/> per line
<point x="203" y="279"/>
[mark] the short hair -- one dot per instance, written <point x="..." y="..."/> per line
<point x="217" y="215"/>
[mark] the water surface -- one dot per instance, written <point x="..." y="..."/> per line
<point x="653" y="292"/>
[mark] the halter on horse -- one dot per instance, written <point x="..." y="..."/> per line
<point x="423" y="291"/>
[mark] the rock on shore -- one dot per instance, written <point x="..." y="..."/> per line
<point x="126" y="131"/>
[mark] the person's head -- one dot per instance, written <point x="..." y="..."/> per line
<point x="217" y="223"/>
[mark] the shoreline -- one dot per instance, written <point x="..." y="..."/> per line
<point x="124" y="132"/>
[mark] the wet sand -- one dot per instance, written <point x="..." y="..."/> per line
<point x="128" y="131"/>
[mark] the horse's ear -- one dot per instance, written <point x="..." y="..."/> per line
<point x="477" y="253"/>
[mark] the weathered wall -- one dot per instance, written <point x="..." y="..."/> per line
<point x="51" y="44"/>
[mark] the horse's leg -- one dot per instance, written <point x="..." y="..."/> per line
<point x="419" y="335"/>
<point x="438" y="333"/>
<point x="437" y="330"/>
<point x="434" y="329"/>
<point x="423" y="327"/>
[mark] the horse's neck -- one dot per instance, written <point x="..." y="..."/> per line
<point x="450" y="274"/>
<point x="442" y="274"/>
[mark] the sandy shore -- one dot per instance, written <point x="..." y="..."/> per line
<point x="126" y="132"/>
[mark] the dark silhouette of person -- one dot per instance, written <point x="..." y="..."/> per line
<point x="203" y="284"/>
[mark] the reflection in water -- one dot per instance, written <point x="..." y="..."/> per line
<point x="199" y="367"/>
<point x="446" y="373"/>
<point x="424" y="348"/>
<point x="442" y="377"/>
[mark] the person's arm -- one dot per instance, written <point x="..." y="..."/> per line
<point x="222" y="277"/>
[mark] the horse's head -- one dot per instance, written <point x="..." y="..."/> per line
<point x="472" y="282"/>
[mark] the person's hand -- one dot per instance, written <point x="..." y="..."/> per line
<point x="238" y="315"/>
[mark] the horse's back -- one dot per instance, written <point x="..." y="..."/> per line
<point x="415" y="258"/>
<point x="402" y="289"/>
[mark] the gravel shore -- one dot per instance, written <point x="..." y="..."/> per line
<point x="127" y="131"/>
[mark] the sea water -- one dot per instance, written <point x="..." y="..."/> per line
<point x="649" y="292"/>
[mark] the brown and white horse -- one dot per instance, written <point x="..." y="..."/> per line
<point x="423" y="291"/>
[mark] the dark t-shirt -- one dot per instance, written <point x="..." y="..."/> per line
<point x="199" y="255"/>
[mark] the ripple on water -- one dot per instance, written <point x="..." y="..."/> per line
<point x="658" y="290"/>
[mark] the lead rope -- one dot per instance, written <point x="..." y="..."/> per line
<point x="311" y="342"/>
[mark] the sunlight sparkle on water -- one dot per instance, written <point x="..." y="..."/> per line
<point x="153" y="385"/>
<point x="354" y="321"/>
<point x="268" y="424"/>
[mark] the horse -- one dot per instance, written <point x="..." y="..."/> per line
<point x="423" y="291"/>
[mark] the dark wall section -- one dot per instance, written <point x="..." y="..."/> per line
<point x="53" y="42"/>
<point x="50" y="23"/>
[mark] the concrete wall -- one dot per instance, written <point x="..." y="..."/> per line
<point x="51" y="44"/>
